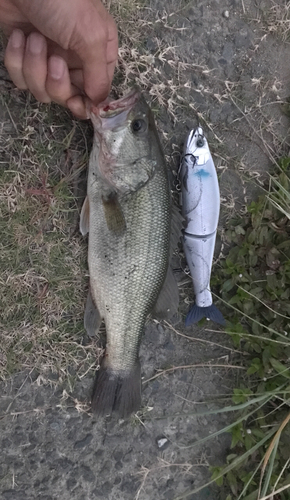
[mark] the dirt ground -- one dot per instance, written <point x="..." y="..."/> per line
<point x="228" y="61"/>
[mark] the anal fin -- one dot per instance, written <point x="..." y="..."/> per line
<point x="168" y="299"/>
<point x="92" y="318"/>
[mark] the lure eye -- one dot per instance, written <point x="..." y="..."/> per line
<point x="200" y="141"/>
<point x="138" y="125"/>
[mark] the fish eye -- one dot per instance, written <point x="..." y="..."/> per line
<point x="138" y="125"/>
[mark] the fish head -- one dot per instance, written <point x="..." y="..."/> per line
<point x="124" y="133"/>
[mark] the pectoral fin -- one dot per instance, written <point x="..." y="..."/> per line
<point x="113" y="214"/>
<point x="92" y="319"/>
<point x="85" y="217"/>
<point x="168" y="300"/>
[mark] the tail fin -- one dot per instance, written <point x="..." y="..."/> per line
<point x="117" y="391"/>
<point x="196" y="313"/>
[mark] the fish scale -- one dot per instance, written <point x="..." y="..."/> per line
<point x="129" y="279"/>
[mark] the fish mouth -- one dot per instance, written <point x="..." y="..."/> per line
<point x="110" y="114"/>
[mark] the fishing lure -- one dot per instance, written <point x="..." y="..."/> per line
<point x="200" y="208"/>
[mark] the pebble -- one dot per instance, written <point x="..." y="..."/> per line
<point x="161" y="442"/>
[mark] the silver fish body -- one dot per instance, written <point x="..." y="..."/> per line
<point x="128" y="217"/>
<point x="200" y="208"/>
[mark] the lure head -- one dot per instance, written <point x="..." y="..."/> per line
<point x="196" y="146"/>
<point x="199" y="186"/>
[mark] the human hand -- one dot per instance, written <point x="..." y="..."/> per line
<point x="60" y="49"/>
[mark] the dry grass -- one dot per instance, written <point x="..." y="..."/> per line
<point x="42" y="257"/>
<point x="274" y="18"/>
<point x="43" y="272"/>
<point x="153" y="62"/>
<point x="43" y="156"/>
<point x="279" y="20"/>
<point x="150" y="58"/>
<point x="164" y="469"/>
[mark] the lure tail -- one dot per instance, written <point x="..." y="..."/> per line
<point x="196" y="313"/>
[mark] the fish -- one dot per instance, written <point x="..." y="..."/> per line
<point x="200" y="209"/>
<point x="129" y="217"/>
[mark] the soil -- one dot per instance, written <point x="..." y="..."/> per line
<point x="52" y="447"/>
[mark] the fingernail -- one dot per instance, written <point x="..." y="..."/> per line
<point x="16" y="39"/>
<point x="56" y="67"/>
<point x="35" y="43"/>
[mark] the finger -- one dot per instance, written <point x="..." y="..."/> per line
<point x="13" y="59"/>
<point x="77" y="78"/>
<point x="35" y="66"/>
<point x="58" y="83"/>
<point x="96" y="78"/>
<point x="92" y="50"/>
<point x="77" y="107"/>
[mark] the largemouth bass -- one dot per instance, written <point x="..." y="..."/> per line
<point x="128" y="214"/>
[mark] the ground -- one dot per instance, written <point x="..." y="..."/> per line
<point x="227" y="63"/>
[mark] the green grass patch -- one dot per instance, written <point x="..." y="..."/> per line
<point x="255" y="281"/>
